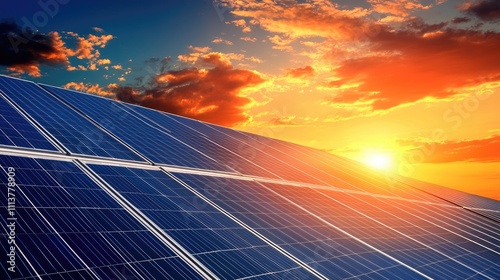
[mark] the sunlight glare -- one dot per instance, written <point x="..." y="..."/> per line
<point x="379" y="160"/>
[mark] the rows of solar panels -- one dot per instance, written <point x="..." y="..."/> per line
<point x="111" y="190"/>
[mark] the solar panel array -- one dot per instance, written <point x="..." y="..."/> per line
<point x="96" y="188"/>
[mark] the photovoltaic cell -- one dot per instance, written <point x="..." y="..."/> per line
<point x="201" y="142"/>
<point x="346" y="212"/>
<point x="324" y="248"/>
<point x="225" y="247"/>
<point x="16" y="131"/>
<point x="282" y="169"/>
<point x="70" y="228"/>
<point x="72" y="130"/>
<point x="154" y="143"/>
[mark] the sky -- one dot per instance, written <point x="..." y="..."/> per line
<point x="410" y="87"/>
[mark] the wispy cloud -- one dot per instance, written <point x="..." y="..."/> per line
<point x="477" y="150"/>
<point x="301" y="72"/>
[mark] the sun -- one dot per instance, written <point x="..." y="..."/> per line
<point x="379" y="160"/>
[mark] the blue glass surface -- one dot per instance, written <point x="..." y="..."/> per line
<point x="75" y="132"/>
<point x="154" y="143"/>
<point x="221" y="244"/>
<point x="202" y="142"/>
<point x="324" y="248"/>
<point x="435" y="253"/>
<point x="69" y="227"/>
<point x="15" y="130"/>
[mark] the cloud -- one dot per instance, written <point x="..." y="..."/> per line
<point x="242" y="24"/>
<point x="283" y="121"/>
<point x="208" y="91"/>
<point x="24" y="51"/>
<point x="103" y="61"/>
<point x="248" y="39"/>
<point x="401" y="8"/>
<point x="98" y="29"/>
<point x="486" y="10"/>
<point x="294" y="20"/>
<point x="219" y="40"/>
<point x="87" y="47"/>
<point x="478" y="150"/>
<point x="459" y="20"/>
<point x="419" y="61"/>
<point x="92" y="88"/>
<point x="301" y="72"/>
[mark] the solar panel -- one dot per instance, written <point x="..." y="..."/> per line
<point x="201" y="142"/>
<point x="68" y="227"/>
<point x="384" y="231"/>
<point x="328" y="250"/>
<point x="158" y="146"/>
<point x="69" y="128"/>
<point x="220" y="243"/>
<point x="15" y="130"/>
<point x="141" y="194"/>
<point x="283" y="169"/>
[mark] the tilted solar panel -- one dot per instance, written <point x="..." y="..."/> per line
<point x="69" y="228"/>
<point x="152" y="142"/>
<point x="201" y="142"/>
<point x="328" y="250"/>
<point x="16" y="131"/>
<point x="217" y="241"/>
<point x="346" y="212"/>
<point x="72" y="130"/>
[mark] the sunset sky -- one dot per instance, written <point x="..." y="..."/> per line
<point x="411" y="86"/>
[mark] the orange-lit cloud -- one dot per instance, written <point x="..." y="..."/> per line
<point x="87" y="47"/>
<point x="301" y="72"/>
<point x="249" y="39"/>
<point x="417" y="62"/>
<point x="92" y="88"/>
<point x="219" y="40"/>
<point x="25" y="51"/>
<point x="295" y="20"/>
<point x="478" y="150"/>
<point x="103" y="61"/>
<point x="208" y="92"/>
<point x="401" y="8"/>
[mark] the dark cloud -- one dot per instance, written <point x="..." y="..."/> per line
<point x="458" y="20"/>
<point x="420" y="61"/>
<point x="210" y="94"/>
<point x="486" y="10"/>
<point x="301" y="72"/>
<point x="478" y="150"/>
<point x="27" y="49"/>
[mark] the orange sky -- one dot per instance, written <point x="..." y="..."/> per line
<point x="418" y="81"/>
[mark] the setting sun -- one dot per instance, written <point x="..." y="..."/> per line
<point x="379" y="160"/>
